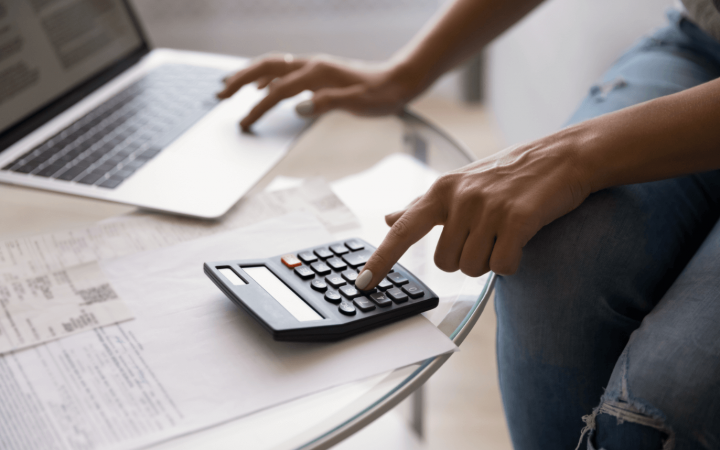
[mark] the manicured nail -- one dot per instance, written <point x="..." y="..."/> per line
<point x="363" y="279"/>
<point x="305" y="108"/>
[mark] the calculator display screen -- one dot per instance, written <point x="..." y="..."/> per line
<point x="280" y="292"/>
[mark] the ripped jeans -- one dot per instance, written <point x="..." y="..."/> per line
<point x="609" y="332"/>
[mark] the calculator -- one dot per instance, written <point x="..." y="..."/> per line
<point x="310" y="294"/>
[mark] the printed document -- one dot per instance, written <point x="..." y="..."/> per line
<point x="51" y="286"/>
<point x="191" y="358"/>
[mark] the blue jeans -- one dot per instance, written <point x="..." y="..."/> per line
<point x="612" y="322"/>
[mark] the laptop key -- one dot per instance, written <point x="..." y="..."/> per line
<point x="111" y="183"/>
<point x="71" y="173"/>
<point x="92" y="177"/>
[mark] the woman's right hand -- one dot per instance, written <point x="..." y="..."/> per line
<point x="336" y="85"/>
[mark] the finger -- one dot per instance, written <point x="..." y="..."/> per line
<point x="409" y="229"/>
<point x="506" y="254"/>
<point x="391" y="218"/>
<point x="475" y="257"/>
<point x="353" y="99"/>
<point x="270" y="67"/>
<point x="263" y="82"/>
<point x="450" y="245"/>
<point x="286" y="87"/>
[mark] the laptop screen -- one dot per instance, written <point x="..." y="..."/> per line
<point x="50" y="47"/>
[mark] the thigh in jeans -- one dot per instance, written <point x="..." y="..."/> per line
<point x="588" y="279"/>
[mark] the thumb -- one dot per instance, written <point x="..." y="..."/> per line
<point x="328" y="99"/>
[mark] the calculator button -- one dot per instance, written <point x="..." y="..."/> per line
<point x="322" y="253"/>
<point x="356" y="259"/>
<point x="366" y="292"/>
<point x="354" y="245"/>
<point x="320" y="267"/>
<point x="413" y="290"/>
<point x="336" y="263"/>
<point x="339" y="249"/>
<point x="349" y="291"/>
<point x="397" y="278"/>
<point x="304" y="272"/>
<point x="307" y="257"/>
<point x="350" y="275"/>
<point x="291" y="261"/>
<point x="347" y="308"/>
<point x="319" y="285"/>
<point x="384" y="285"/>
<point x="333" y="297"/>
<point x="335" y="281"/>
<point x="364" y="304"/>
<point x="397" y="295"/>
<point x="380" y="298"/>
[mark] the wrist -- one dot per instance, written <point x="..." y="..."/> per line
<point x="410" y="78"/>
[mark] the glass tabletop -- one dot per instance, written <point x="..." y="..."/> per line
<point x="403" y="154"/>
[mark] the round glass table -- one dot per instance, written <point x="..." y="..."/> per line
<point x="338" y="147"/>
<point x="374" y="166"/>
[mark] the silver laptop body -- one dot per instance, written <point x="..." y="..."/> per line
<point x="86" y="108"/>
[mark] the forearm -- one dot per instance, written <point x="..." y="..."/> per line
<point x="667" y="137"/>
<point x="457" y="32"/>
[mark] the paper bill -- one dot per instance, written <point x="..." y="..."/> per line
<point x="37" y="308"/>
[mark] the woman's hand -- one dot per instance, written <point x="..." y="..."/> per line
<point x="336" y="85"/>
<point x="489" y="209"/>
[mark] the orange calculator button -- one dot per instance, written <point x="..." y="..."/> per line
<point x="291" y="261"/>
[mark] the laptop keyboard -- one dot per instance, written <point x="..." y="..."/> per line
<point x="112" y="142"/>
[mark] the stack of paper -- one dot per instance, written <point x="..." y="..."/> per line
<point x="191" y="359"/>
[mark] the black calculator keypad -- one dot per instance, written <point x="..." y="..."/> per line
<point x="323" y="253"/>
<point x="380" y="298"/>
<point x="304" y="272"/>
<point x="356" y="259"/>
<point x="319" y="285"/>
<point x="397" y="278"/>
<point x="333" y="297"/>
<point x="307" y="257"/>
<point x="384" y="285"/>
<point x="346" y="307"/>
<point x="335" y="280"/>
<point x="368" y="292"/>
<point x="413" y="290"/>
<point x="397" y="295"/>
<point x="349" y="291"/>
<point x="364" y="304"/>
<point x="336" y="263"/>
<point x="339" y="249"/>
<point x="324" y="278"/>
<point x="321" y="268"/>
<point x="350" y="275"/>
<point x="354" y="245"/>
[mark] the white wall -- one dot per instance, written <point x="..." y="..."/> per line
<point x="538" y="72"/>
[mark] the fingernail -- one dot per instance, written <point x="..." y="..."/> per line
<point x="363" y="279"/>
<point x="305" y="108"/>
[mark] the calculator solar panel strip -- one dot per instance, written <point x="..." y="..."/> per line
<point x="314" y="318"/>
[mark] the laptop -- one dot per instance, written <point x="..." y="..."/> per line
<point x="86" y="108"/>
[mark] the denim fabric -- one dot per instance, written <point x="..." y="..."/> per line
<point x="613" y="318"/>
